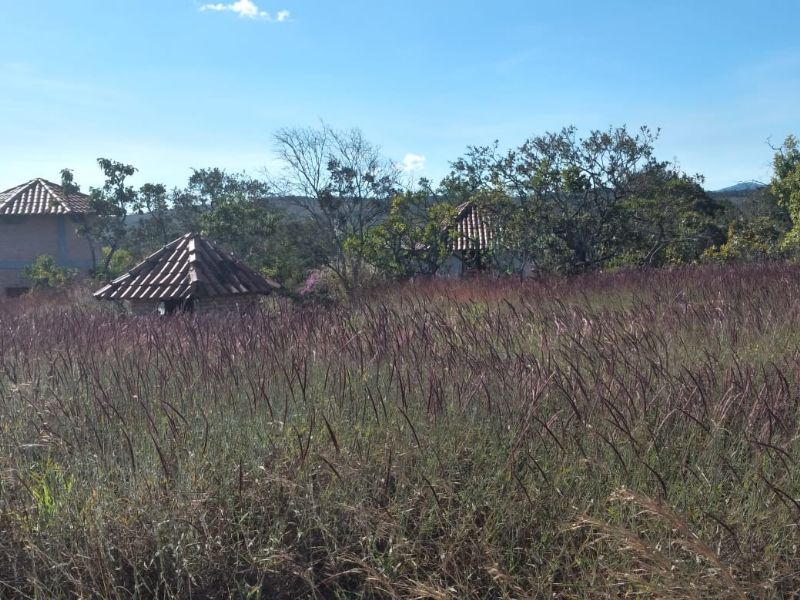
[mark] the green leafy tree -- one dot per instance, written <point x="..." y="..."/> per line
<point x="486" y="178"/>
<point x="243" y="214"/>
<point x="756" y="226"/>
<point x="159" y="226"/>
<point x="786" y="187"/>
<point x="570" y="193"/>
<point x="671" y="220"/>
<point x="521" y="240"/>
<point x="477" y="171"/>
<point x="208" y="187"/>
<point x="110" y="205"/>
<point x="243" y="225"/>
<point x="579" y="187"/>
<point x="749" y="239"/>
<point x="413" y="239"/>
<point x="68" y="184"/>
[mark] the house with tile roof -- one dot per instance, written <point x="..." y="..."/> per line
<point x="471" y="238"/>
<point x="190" y="274"/>
<point x="36" y="218"/>
<point x="475" y="240"/>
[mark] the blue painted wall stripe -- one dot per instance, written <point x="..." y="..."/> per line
<point x="18" y="265"/>
<point x="62" y="239"/>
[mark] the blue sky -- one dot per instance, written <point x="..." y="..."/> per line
<point x="167" y="85"/>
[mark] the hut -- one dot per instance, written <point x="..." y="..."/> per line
<point x="189" y="274"/>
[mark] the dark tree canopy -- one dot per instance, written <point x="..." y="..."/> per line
<point x="557" y="203"/>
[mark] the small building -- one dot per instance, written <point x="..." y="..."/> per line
<point x="189" y="274"/>
<point x="471" y="236"/>
<point x="475" y="239"/>
<point x="38" y="218"/>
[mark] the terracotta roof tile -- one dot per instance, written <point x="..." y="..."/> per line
<point x="189" y="267"/>
<point x="42" y="197"/>
<point x="473" y="229"/>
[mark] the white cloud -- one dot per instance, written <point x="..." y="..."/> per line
<point x="412" y="162"/>
<point x="249" y="10"/>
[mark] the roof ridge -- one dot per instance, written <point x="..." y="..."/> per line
<point x="150" y="258"/>
<point x="189" y="266"/>
<point x="40" y="196"/>
<point x="58" y="195"/>
<point x="195" y="280"/>
<point x="12" y="192"/>
<point x="15" y="192"/>
<point x="16" y="188"/>
<point x="21" y="187"/>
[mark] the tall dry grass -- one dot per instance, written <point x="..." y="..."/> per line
<point x="625" y="435"/>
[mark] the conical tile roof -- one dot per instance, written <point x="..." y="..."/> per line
<point x="42" y="197"/>
<point x="189" y="267"/>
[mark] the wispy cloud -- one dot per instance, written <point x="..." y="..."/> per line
<point x="412" y="162"/>
<point x="249" y="10"/>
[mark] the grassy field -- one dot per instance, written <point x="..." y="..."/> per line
<point x="615" y="435"/>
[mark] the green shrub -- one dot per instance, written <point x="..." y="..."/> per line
<point x="755" y="239"/>
<point x="44" y="273"/>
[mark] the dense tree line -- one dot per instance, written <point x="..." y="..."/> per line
<point x="560" y="203"/>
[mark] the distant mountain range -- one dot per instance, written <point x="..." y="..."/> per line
<point x="744" y="198"/>
<point x="741" y="187"/>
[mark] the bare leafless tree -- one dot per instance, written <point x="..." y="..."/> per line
<point x="344" y="185"/>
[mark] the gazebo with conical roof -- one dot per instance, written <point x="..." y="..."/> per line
<point x="190" y="273"/>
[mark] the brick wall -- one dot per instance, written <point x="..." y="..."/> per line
<point x="24" y="237"/>
<point x="217" y="304"/>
